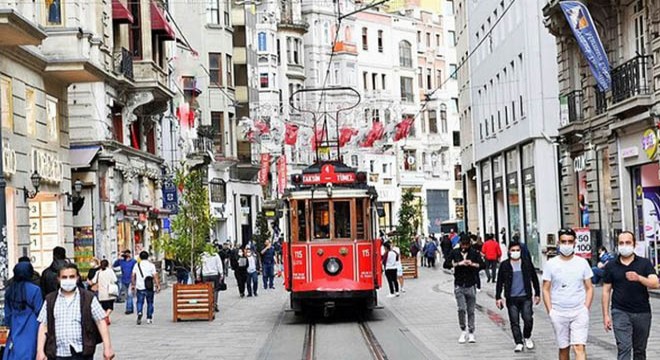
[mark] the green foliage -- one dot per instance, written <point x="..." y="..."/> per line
<point x="192" y="225"/>
<point x="409" y="220"/>
<point x="263" y="231"/>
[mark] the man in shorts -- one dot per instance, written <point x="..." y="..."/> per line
<point x="567" y="294"/>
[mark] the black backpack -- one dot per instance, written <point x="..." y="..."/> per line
<point x="148" y="281"/>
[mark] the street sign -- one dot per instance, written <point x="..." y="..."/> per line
<point x="583" y="243"/>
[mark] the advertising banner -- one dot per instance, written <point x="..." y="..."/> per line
<point x="281" y="174"/>
<point x="265" y="168"/>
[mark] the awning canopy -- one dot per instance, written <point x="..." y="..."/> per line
<point x="159" y="23"/>
<point x="82" y="157"/>
<point x="120" y="13"/>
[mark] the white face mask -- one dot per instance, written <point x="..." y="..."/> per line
<point x="626" y="250"/>
<point x="515" y="255"/>
<point x="566" y="249"/>
<point x="68" y="284"/>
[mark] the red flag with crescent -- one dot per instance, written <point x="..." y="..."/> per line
<point x="403" y="128"/>
<point x="377" y="131"/>
<point x="183" y="113"/>
<point x="291" y="134"/>
<point x="261" y="126"/>
<point x="345" y="135"/>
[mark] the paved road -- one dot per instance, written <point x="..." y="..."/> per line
<point x="420" y="324"/>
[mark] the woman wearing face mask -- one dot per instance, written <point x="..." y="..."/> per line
<point x="517" y="277"/>
<point x="240" y="265"/>
<point x="22" y="304"/>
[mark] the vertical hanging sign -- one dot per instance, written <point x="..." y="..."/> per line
<point x="585" y="33"/>
<point x="265" y="167"/>
<point x="281" y="174"/>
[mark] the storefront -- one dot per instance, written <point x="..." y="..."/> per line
<point x="487" y="198"/>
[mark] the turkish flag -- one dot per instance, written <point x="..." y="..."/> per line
<point x="319" y="136"/>
<point x="345" y="135"/>
<point x="262" y="127"/>
<point x="183" y="113"/>
<point x="291" y="134"/>
<point x="249" y="136"/>
<point x="403" y="128"/>
<point x="264" y="169"/>
<point x="377" y="131"/>
<point x="281" y="174"/>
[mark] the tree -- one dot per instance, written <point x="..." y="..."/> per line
<point x="263" y="231"/>
<point x="409" y="219"/>
<point x="192" y="225"/>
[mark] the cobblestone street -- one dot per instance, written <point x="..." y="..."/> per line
<point x="425" y="317"/>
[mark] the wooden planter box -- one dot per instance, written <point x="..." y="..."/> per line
<point x="193" y="302"/>
<point x="409" y="267"/>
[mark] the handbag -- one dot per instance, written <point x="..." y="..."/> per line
<point x="113" y="290"/>
<point x="148" y="281"/>
<point x="222" y="286"/>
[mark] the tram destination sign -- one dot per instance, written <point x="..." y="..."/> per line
<point x="328" y="175"/>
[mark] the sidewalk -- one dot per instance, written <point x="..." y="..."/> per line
<point x="238" y="332"/>
<point x="428" y="310"/>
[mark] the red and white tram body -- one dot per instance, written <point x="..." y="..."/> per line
<point x="331" y="256"/>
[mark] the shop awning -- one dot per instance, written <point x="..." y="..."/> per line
<point x="82" y="157"/>
<point x="159" y="23"/>
<point x="120" y="13"/>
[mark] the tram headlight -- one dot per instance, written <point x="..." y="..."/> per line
<point x="332" y="266"/>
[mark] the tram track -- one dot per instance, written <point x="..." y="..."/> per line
<point x="369" y="340"/>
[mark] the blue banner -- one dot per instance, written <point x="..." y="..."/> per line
<point x="584" y="29"/>
<point x="170" y="196"/>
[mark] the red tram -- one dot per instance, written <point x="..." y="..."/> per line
<point x="332" y="256"/>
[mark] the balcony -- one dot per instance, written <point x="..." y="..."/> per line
<point x="201" y="152"/>
<point x="290" y="24"/>
<point x="345" y="47"/>
<point x="601" y="101"/>
<point x="631" y="86"/>
<point x="17" y="30"/>
<point x="149" y="76"/>
<point x="575" y="106"/>
<point x="123" y="63"/>
<point x="73" y="56"/>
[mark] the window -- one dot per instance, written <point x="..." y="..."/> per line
<point x="449" y="6"/>
<point x="227" y="11"/>
<point x="212" y="12"/>
<point x="365" y="80"/>
<point x="374" y="81"/>
<point x="481" y="131"/>
<point x="499" y="120"/>
<point x="289" y="50"/>
<point x="53" y="13"/>
<point x="452" y="37"/>
<point x="365" y="39"/>
<point x="30" y="111"/>
<point x="419" y="37"/>
<point x="409" y="160"/>
<point x="215" y="69"/>
<point x="429" y="79"/>
<point x="428" y="39"/>
<point x="457" y="138"/>
<point x="135" y="30"/>
<point x="513" y="110"/>
<point x="262" y="46"/>
<point x="438" y="79"/>
<point x="452" y="71"/>
<point x="354" y="160"/>
<point x="117" y="125"/>
<point x="151" y="141"/>
<point x="405" y="54"/>
<point x="407" y="89"/>
<point x="52" y="118"/>
<point x="506" y="115"/>
<point x="454" y="105"/>
<point x="218" y="125"/>
<point x="372" y="166"/>
<point x="433" y="122"/>
<point x="383" y="79"/>
<point x="230" y="70"/>
<point x="6" y="103"/>
<point x="297" y="54"/>
<point x="522" y="109"/>
<point x="380" y="41"/>
<point x="376" y="115"/>
<point x="420" y="78"/>
<point x="437" y="40"/>
<point x="279" y="57"/>
<point x="263" y="80"/>
<point x="321" y="219"/>
<point x="218" y="190"/>
<point x="443" y="118"/>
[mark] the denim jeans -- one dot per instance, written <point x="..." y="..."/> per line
<point x="269" y="275"/>
<point x="598" y="275"/>
<point x="466" y="301"/>
<point x="491" y="270"/>
<point x="631" y="331"/>
<point x="520" y="307"/>
<point x="149" y="295"/>
<point x="129" y="295"/>
<point x="253" y="283"/>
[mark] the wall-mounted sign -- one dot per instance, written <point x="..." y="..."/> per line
<point x="8" y="160"/>
<point x="650" y="143"/>
<point x="580" y="163"/>
<point x="47" y="164"/>
<point x="630" y="152"/>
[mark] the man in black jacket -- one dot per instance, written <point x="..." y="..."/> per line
<point x="466" y="263"/>
<point x="517" y="277"/>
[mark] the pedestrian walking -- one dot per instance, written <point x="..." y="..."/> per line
<point x="239" y="263"/>
<point x="49" y="281"/>
<point x="35" y="277"/>
<point x="72" y="322"/>
<point x="466" y="263"/>
<point x="445" y="246"/>
<point x="253" y="269"/>
<point x="567" y="295"/>
<point x="23" y="301"/>
<point x="225" y="254"/>
<point x="477" y="245"/>
<point x="268" y="263"/>
<point x="212" y="272"/>
<point x="106" y="282"/>
<point x="604" y="258"/>
<point x="399" y="268"/>
<point x="492" y="254"/>
<point x="390" y="259"/>
<point x="94" y="266"/>
<point x="146" y="282"/>
<point x="126" y="263"/>
<point x="517" y="277"/>
<point x="626" y="282"/>
<point x="430" y="251"/>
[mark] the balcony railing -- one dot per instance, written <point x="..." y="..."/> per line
<point x="601" y="101"/>
<point x="631" y="78"/>
<point x="124" y="63"/>
<point x="575" y="106"/>
<point x="202" y="145"/>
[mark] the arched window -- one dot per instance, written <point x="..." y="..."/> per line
<point x="405" y="54"/>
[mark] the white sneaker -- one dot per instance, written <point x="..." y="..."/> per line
<point x="390" y="295"/>
<point x="149" y="321"/>
<point x="478" y="290"/>
<point x="471" y="338"/>
<point x="463" y="338"/>
<point x="397" y="294"/>
<point x="529" y="344"/>
<point x="403" y="290"/>
<point x="518" y="348"/>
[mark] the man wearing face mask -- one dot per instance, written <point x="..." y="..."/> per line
<point x="626" y="282"/>
<point x="72" y="322"/>
<point x="567" y="295"/>
<point x="517" y="277"/>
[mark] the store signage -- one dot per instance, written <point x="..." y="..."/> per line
<point x="580" y="163"/>
<point x="8" y="160"/>
<point x="650" y="143"/>
<point x="170" y="197"/>
<point x="630" y="152"/>
<point x="328" y="175"/>
<point x="47" y="164"/>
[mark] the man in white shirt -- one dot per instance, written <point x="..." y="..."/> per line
<point x="145" y="281"/>
<point x="567" y="294"/>
<point x="211" y="272"/>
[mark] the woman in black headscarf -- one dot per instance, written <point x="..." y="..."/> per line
<point x="22" y="305"/>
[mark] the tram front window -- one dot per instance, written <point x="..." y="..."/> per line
<point x="321" y="220"/>
<point x="342" y="216"/>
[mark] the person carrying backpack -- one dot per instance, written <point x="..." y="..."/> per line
<point x="145" y="280"/>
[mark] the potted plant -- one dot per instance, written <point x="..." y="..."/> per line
<point x="189" y="240"/>
<point x="408" y="222"/>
